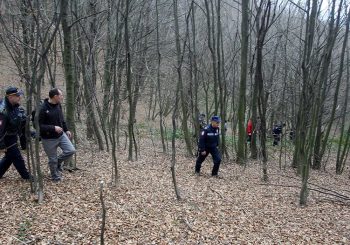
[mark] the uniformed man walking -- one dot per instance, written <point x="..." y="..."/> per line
<point x="12" y="121"/>
<point x="208" y="143"/>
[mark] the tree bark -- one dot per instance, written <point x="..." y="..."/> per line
<point x="181" y="88"/>
<point x="242" y="86"/>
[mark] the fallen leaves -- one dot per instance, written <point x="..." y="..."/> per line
<point x="142" y="207"/>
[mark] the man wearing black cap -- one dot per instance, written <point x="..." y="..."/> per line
<point x="208" y="142"/>
<point x="12" y="121"/>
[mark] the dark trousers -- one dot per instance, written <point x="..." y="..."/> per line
<point x="13" y="155"/>
<point x="276" y="139"/>
<point x="216" y="159"/>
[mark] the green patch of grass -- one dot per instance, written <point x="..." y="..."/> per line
<point x="23" y="230"/>
<point x="230" y="140"/>
<point x="179" y="134"/>
<point x="336" y="142"/>
<point x="142" y="125"/>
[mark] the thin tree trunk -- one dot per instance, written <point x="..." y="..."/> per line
<point x="173" y="143"/>
<point x="262" y="24"/>
<point x="211" y="46"/>
<point x="159" y="59"/>
<point x="103" y="206"/>
<point x="68" y="70"/>
<point x="181" y="88"/>
<point x="242" y="86"/>
<point x="344" y="136"/>
<point x="322" y="143"/>
<point x="128" y="79"/>
<point x="302" y="135"/>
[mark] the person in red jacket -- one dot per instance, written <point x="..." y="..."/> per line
<point x="249" y="130"/>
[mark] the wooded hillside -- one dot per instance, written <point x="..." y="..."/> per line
<point x="141" y="78"/>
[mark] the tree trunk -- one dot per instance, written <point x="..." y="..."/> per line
<point x="129" y="81"/>
<point x="159" y="59"/>
<point x="68" y="69"/>
<point x="344" y="139"/>
<point x="302" y="135"/>
<point x="211" y="46"/>
<point x="242" y="86"/>
<point x="181" y="88"/>
<point x="322" y="138"/>
<point x="262" y="25"/>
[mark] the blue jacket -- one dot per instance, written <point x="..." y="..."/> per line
<point x="209" y="138"/>
<point x="277" y="129"/>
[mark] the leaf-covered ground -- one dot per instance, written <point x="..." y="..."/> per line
<point x="142" y="207"/>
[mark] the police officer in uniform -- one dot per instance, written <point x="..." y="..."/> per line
<point x="12" y="122"/>
<point x="208" y="142"/>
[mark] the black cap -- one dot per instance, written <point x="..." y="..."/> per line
<point x="13" y="91"/>
<point x="216" y="119"/>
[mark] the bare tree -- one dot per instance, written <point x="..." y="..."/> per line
<point x="243" y="80"/>
<point x="320" y="137"/>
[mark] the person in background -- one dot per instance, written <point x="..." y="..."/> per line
<point x="208" y="143"/>
<point x="202" y="122"/>
<point x="291" y="134"/>
<point x="12" y="124"/>
<point x="249" y="130"/>
<point x="276" y="132"/>
<point x="54" y="133"/>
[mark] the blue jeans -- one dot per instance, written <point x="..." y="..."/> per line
<point x="50" y="148"/>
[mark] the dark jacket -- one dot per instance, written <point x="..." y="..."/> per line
<point x="12" y="123"/>
<point x="277" y="129"/>
<point x="51" y="115"/>
<point x="209" y="138"/>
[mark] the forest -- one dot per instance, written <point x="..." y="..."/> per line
<point x="140" y="80"/>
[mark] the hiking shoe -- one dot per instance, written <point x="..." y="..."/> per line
<point x="197" y="173"/>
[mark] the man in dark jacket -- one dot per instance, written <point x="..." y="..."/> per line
<point x="276" y="132"/>
<point x="208" y="142"/>
<point x="54" y="133"/>
<point x="12" y="122"/>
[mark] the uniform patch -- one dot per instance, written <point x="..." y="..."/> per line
<point x="203" y="133"/>
<point x="47" y="111"/>
<point x="0" y="122"/>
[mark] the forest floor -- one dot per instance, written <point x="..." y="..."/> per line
<point x="142" y="208"/>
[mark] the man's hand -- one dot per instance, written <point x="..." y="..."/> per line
<point x="58" y="129"/>
<point x="69" y="134"/>
<point x="203" y="153"/>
